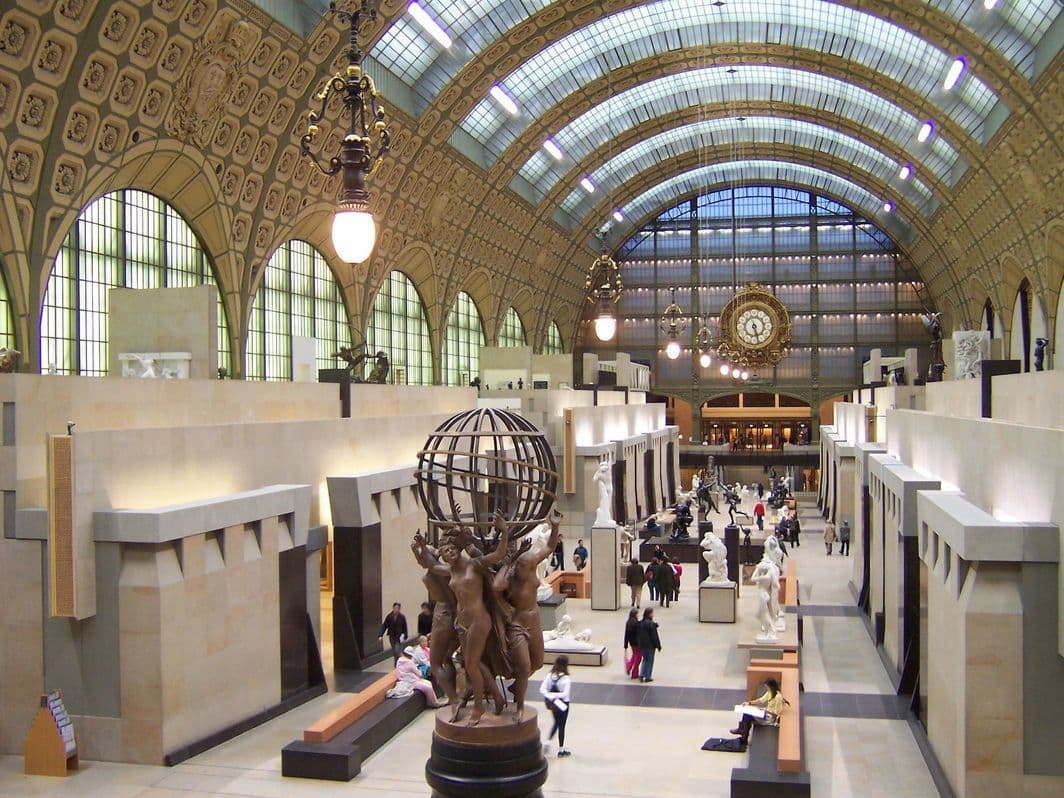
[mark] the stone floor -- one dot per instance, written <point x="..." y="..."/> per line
<point x="855" y="738"/>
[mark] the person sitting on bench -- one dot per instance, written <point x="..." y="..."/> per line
<point x="771" y="701"/>
<point x="408" y="679"/>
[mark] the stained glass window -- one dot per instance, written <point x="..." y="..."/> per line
<point x="300" y="296"/>
<point x="125" y="239"/>
<point x="462" y="341"/>
<point x="553" y="344"/>
<point x="512" y="332"/>
<point x="399" y="327"/>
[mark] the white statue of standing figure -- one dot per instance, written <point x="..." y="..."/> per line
<point x="627" y="536"/>
<point x="604" y="479"/>
<point x="773" y="555"/>
<point x="696" y="483"/>
<point x="716" y="556"/>
<point x="763" y="577"/>
<point x="539" y="536"/>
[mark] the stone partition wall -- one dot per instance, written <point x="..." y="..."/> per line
<point x="164" y="320"/>
<point x="962" y="398"/>
<point x="992" y="706"/>
<point x="901" y="602"/>
<point x="860" y="526"/>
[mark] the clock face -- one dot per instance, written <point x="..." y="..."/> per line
<point x="754" y="326"/>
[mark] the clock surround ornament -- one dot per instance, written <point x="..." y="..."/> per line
<point x="754" y="328"/>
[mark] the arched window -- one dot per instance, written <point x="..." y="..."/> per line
<point x="300" y="296"/>
<point x="553" y="344"/>
<point x="512" y="332"/>
<point x="400" y="328"/>
<point x="7" y="318"/>
<point x="462" y="341"/>
<point x="125" y="239"/>
<point x="1020" y="341"/>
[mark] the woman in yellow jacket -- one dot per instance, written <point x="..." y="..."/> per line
<point x="771" y="701"/>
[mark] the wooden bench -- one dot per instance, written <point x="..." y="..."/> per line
<point x="789" y="584"/>
<point x="775" y="754"/>
<point x="332" y="723"/>
<point x="334" y="746"/>
<point x="581" y="579"/>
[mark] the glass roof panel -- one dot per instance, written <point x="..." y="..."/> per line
<point x="753" y="171"/>
<point x="633" y="108"/>
<point x="1013" y="29"/>
<point x="679" y="141"/>
<point x="545" y="79"/>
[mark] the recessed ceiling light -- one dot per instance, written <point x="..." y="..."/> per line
<point x="504" y="99"/>
<point x="618" y="216"/>
<point x="989" y="4"/>
<point x="431" y="26"/>
<point x="926" y="129"/>
<point x="551" y="146"/>
<point x="888" y="207"/>
<point x="589" y="187"/>
<point x="906" y="172"/>
<point x="954" y="74"/>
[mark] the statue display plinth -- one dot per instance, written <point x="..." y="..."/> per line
<point x="605" y="557"/>
<point x="500" y="757"/>
<point x="551" y="610"/>
<point x="589" y="654"/>
<point x="716" y="603"/>
<point x="684" y="552"/>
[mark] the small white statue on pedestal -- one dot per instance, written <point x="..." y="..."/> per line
<point x="604" y="479"/>
<point x="763" y="577"/>
<point x="773" y="555"/>
<point x="773" y="552"/>
<point x="562" y="638"/>
<point x="716" y="556"/>
<point x="696" y="483"/>
<point x="627" y="537"/>
<point x="539" y="536"/>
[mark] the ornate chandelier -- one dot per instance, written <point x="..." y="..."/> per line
<point x="604" y="288"/>
<point x="672" y="324"/>
<point x="354" y="232"/>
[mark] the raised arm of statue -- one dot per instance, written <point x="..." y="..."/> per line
<point x="504" y="541"/>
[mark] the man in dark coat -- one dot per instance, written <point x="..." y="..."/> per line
<point x="634" y="578"/>
<point x="646" y="636"/>
<point x="665" y="578"/>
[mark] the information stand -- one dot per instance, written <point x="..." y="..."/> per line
<point x="51" y="747"/>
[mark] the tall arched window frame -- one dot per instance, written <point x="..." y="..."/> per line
<point x="7" y="317"/>
<point x="463" y="337"/>
<point x="298" y="295"/>
<point x="124" y="239"/>
<point x="512" y="331"/>
<point x="553" y="344"/>
<point x="399" y="327"/>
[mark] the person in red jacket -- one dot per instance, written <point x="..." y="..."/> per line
<point x="759" y="515"/>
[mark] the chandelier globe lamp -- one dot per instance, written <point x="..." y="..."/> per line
<point x="354" y="232"/>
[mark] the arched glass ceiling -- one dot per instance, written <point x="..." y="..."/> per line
<point x="714" y="132"/>
<point x="672" y="93"/>
<point x="760" y="171"/>
<point x="1013" y="29"/>
<point x="570" y="63"/>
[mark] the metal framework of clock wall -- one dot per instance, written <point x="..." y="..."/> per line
<point x="842" y="279"/>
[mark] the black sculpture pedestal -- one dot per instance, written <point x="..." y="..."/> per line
<point x="498" y="758"/>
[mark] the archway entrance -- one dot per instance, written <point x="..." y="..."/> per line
<point x="754" y="421"/>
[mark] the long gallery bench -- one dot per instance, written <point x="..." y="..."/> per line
<point x="775" y="752"/>
<point x="334" y="746"/>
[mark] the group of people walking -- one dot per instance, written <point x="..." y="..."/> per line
<point x="641" y="637"/>
<point x="661" y="576"/>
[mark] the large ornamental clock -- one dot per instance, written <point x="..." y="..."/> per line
<point x="754" y="328"/>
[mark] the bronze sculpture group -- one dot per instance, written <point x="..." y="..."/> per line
<point x="486" y="612"/>
<point x="355" y="361"/>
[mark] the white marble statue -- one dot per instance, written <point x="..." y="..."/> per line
<point x="970" y="349"/>
<point x="773" y="552"/>
<point x="139" y="366"/>
<point x="696" y="483"/>
<point x="716" y="556"/>
<point x="763" y="577"/>
<point x="627" y="536"/>
<point x="539" y="536"/>
<point x="563" y="638"/>
<point x="744" y="497"/>
<point x="604" y="479"/>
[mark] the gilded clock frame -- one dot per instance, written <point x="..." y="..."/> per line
<point x="732" y="348"/>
